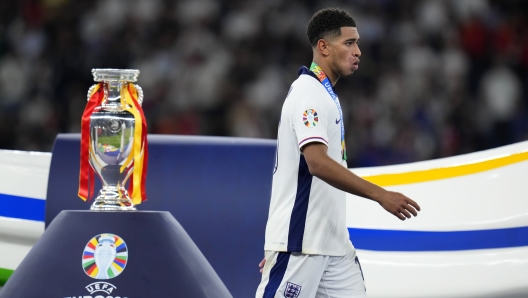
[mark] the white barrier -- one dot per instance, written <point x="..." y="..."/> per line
<point x="480" y="201"/>
<point x="22" y="174"/>
<point x="467" y="194"/>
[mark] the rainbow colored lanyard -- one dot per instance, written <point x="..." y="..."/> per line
<point x="316" y="69"/>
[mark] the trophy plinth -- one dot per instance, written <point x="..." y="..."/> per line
<point x="132" y="263"/>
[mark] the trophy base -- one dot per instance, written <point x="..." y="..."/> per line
<point x="111" y="207"/>
<point x="112" y="199"/>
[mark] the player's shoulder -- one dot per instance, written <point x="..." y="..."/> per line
<point x="305" y="80"/>
<point x="306" y="86"/>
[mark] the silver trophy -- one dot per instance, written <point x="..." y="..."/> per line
<point x="112" y="139"/>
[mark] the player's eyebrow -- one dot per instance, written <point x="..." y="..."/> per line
<point x="353" y="40"/>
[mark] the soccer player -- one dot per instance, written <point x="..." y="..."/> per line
<point x="307" y="248"/>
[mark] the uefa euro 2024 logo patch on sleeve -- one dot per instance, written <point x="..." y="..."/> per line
<point x="310" y="118"/>
<point x="105" y="256"/>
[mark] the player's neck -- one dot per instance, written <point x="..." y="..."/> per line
<point x="332" y="76"/>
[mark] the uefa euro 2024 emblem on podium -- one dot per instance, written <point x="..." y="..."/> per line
<point x="114" y="141"/>
<point x="105" y="256"/>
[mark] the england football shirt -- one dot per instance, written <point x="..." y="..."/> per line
<point x="306" y="214"/>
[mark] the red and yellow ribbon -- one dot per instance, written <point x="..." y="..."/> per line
<point x="139" y="153"/>
<point x="86" y="172"/>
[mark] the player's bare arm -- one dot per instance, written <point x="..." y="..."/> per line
<point x="328" y="170"/>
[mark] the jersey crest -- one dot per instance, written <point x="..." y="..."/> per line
<point x="292" y="290"/>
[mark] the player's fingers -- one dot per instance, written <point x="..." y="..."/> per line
<point x="414" y="204"/>
<point x="399" y="215"/>
<point x="410" y="208"/>
<point x="261" y="264"/>
<point x="405" y="212"/>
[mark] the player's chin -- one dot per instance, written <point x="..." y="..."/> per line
<point x="348" y="74"/>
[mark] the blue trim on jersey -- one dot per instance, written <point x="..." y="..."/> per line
<point x="276" y="274"/>
<point x="394" y="240"/>
<point x="304" y="70"/>
<point x="22" y="207"/>
<point x="300" y="207"/>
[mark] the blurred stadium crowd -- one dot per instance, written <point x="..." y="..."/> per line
<point x="436" y="78"/>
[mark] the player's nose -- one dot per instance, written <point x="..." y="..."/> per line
<point x="357" y="52"/>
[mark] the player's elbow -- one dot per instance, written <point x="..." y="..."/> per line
<point x="316" y="167"/>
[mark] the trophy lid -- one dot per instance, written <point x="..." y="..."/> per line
<point x="110" y="74"/>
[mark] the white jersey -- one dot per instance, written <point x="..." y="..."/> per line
<point x="306" y="214"/>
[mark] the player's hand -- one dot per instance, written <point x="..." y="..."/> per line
<point x="399" y="205"/>
<point x="261" y="264"/>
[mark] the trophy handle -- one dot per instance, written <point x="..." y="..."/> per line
<point x="140" y="94"/>
<point x="90" y="90"/>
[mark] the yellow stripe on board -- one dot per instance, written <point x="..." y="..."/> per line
<point x="446" y="172"/>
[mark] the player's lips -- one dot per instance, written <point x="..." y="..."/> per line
<point x="355" y="65"/>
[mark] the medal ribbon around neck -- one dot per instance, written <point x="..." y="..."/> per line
<point x="316" y="69"/>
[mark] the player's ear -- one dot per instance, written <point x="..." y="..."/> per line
<point x="322" y="47"/>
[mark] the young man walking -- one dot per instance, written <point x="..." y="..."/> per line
<point x="307" y="251"/>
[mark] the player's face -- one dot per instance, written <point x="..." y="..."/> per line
<point x="345" y="52"/>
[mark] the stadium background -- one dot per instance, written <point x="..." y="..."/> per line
<point x="436" y="78"/>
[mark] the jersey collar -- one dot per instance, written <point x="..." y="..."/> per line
<point x="303" y="70"/>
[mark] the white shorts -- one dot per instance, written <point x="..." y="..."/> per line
<point x="296" y="275"/>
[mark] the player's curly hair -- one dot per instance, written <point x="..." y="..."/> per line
<point x="328" y="22"/>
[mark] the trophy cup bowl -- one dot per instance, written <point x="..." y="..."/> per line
<point x="112" y="131"/>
